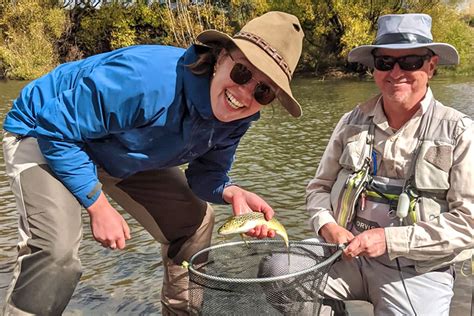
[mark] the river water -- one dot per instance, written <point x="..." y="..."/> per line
<point x="276" y="159"/>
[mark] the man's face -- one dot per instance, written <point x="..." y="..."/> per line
<point x="404" y="87"/>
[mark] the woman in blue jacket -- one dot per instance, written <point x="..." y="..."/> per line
<point x="121" y="123"/>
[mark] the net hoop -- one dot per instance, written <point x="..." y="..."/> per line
<point x="327" y="261"/>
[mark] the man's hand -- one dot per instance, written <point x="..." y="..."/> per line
<point x="333" y="233"/>
<point x="108" y="226"/>
<point x="244" y="202"/>
<point x="370" y="243"/>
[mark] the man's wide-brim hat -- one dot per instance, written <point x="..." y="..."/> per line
<point x="272" y="43"/>
<point x="404" y="31"/>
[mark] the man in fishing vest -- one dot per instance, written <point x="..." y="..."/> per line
<point x="396" y="180"/>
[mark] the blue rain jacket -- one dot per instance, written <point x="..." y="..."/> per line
<point x="133" y="109"/>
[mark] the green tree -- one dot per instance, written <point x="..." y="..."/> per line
<point x="449" y="27"/>
<point x="188" y="20"/>
<point x="37" y="34"/>
<point x="29" y="30"/>
<point x="334" y="27"/>
<point x="115" y="25"/>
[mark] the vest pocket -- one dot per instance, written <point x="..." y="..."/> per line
<point x="429" y="209"/>
<point x="353" y="154"/>
<point x="433" y="165"/>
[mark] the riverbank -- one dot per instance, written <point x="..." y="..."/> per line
<point x="335" y="73"/>
<point x="38" y="35"/>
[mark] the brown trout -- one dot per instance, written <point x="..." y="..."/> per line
<point x="245" y="222"/>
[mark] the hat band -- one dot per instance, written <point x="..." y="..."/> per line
<point x="402" y="38"/>
<point x="260" y="42"/>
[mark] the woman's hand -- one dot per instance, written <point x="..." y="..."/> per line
<point x="244" y="202"/>
<point x="108" y="226"/>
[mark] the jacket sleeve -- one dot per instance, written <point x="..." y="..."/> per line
<point x="318" y="191"/>
<point x="208" y="175"/>
<point x="453" y="231"/>
<point x="111" y="98"/>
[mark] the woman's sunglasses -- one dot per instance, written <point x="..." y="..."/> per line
<point x="408" y="63"/>
<point x="240" y="74"/>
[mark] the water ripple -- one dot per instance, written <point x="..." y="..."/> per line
<point x="276" y="158"/>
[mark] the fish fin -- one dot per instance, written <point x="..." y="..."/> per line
<point x="244" y="239"/>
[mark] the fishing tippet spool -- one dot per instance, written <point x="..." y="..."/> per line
<point x="403" y="206"/>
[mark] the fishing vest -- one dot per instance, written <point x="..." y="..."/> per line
<point x="429" y="179"/>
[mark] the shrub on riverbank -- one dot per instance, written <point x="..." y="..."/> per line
<point x="36" y="35"/>
<point x="29" y="30"/>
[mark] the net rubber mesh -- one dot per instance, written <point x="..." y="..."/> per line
<point x="260" y="277"/>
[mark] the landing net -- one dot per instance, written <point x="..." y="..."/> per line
<point x="255" y="278"/>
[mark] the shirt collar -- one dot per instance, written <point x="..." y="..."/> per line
<point x="425" y="103"/>
<point x="380" y="119"/>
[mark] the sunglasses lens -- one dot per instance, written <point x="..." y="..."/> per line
<point x="411" y="63"/>
<point x="263" y="94"/>
<point x="240" y="74"/>
<point x="384" y="63"/>
<point x="407" y="63"/>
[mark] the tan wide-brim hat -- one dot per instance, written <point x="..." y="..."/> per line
<point x="272" y="43"/>
<point x="404" y="31"/>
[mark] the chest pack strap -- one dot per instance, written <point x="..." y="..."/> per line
<point x="356" y="183"/>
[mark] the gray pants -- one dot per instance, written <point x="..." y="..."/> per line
<point x="50" y="229"/>
<point x="372" y="280"/>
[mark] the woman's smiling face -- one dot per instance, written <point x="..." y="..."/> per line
<point x="231" y="101"/>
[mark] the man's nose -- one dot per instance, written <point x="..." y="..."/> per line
<point x="396" y="71"/>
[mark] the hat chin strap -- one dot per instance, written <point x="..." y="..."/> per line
<point x="402" y="38"/>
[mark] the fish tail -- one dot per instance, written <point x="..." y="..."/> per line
<point x="283" y="235"/>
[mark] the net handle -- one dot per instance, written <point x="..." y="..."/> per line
<point x="327" y="261"/>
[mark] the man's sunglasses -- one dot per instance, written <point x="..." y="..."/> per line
<point x="408" y="63"/>
<point x="240" y="74"/>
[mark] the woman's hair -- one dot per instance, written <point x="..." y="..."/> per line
<point x="207" y="58"/>
<point x="205" y="61"/>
